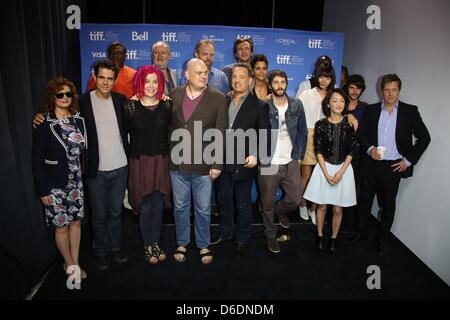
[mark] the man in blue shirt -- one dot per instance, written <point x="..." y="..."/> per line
<point x="388" y="154"/>
<point x="204" y="50"/>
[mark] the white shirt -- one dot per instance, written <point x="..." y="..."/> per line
<point x="111" y="153"/>
<point x="283" y="149"/>
<point x="312" y="103"/>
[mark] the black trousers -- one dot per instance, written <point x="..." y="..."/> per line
<point x="378" y="178"/>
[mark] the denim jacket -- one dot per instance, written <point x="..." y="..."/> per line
<point x="296" y="125"/>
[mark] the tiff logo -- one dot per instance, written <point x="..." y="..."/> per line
<point x="169" y="36"/>
<point x="96" y="36"/>
<point x="243" y="36"/>
<point x="314" y="43"/>
<point x="283" y="59"/>
<point x="132" y="55"/>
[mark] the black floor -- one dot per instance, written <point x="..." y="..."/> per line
<point x="296" y="273"/>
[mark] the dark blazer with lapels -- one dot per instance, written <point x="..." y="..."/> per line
<point x="409" y="124"/>
<point x="50" y="153"/>
<point x="87" y="112"/>
<point x="253" y="114"/>
<point x="212" y="113"/>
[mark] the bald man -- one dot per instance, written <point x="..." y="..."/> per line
<point x="197" y="103"/>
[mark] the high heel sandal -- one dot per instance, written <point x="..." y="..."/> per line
<point x="150" y="255"/>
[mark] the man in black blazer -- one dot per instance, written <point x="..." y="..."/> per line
<point x="246" y="113"/>
<point x="107" y="165"/>
<point x="388" y="154"/>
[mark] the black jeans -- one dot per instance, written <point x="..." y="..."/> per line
<point x="106" y="193"/>
<point x="150" y="217"/>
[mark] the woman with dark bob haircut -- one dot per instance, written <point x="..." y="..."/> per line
<point x="58" y="145"/>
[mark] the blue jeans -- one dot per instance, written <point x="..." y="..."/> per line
<point x="106" y="193"/>
<point x="150" y="217"/>
<point x="182" y="184"/>
<point x="233" y="194"/>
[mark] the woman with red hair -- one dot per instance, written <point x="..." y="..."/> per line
<point x="148" y="120"/>
<point x="57" y="147"/>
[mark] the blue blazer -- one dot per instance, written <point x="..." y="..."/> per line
<point x="49" y="155"/>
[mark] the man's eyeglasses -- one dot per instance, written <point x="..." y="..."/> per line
<point x="61" y="95"/>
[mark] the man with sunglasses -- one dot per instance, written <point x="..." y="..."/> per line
<point x="106" y="167"/>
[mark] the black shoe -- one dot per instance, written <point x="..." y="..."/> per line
<point x="381" y="249"/>
<point x="239" y="250"/>
<point x="101" y="262"/>
<point x="332" y="246"/>
<point x="119" y="256"/>
<point x="320" y="244"/>
<point x="273" y="245"/>
<point x="355" y="239"/>
<point x="284" y="220"/>
<point x="220" y="241"/>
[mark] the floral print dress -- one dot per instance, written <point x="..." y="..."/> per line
<point x="68" y="203"/>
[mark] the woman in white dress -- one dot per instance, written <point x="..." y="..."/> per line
<point x="332" y="180"/>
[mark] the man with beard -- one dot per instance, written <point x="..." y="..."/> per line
<point x="287" y="117"/>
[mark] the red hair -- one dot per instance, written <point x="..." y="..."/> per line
<point x="140" y="78"/>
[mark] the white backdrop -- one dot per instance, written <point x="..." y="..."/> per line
<point x="414" y="42"/>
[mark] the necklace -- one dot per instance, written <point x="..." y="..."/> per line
<point x="192" y="95"/>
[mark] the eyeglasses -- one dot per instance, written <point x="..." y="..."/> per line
<point x="61" y="95"/>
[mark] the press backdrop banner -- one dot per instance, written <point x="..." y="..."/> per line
<point x="290" y="50"/>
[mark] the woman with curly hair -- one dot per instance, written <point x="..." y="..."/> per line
<point x="58" y="145"/>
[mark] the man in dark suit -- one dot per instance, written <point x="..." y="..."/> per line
<point x="389" y="154"/>
<point x="247" y="115"/>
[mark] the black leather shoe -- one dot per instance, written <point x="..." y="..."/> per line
<point x="320" y="244"/>
<point x="239" y="250"/>
<point x="220" y="241"/>
<point x="357" y="238"/>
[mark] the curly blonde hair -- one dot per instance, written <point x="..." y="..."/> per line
<point x="51" y="88"/>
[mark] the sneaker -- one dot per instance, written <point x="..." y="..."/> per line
<point x="101" y="262"/>
<point x="303" y="213"/>
<point x="119" y="256"/>
<point x="312" y="215"/>
<point x="273" y="245"/>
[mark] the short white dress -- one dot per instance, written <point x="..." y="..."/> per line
<point x="334" y="142"/>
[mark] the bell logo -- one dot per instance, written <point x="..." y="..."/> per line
<point x="169" y="36"/>
<point x="96" y="36"/>
<point x="135" y="36"/>
<point x="314" y="43"/>
<point x="283" y="59"/>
